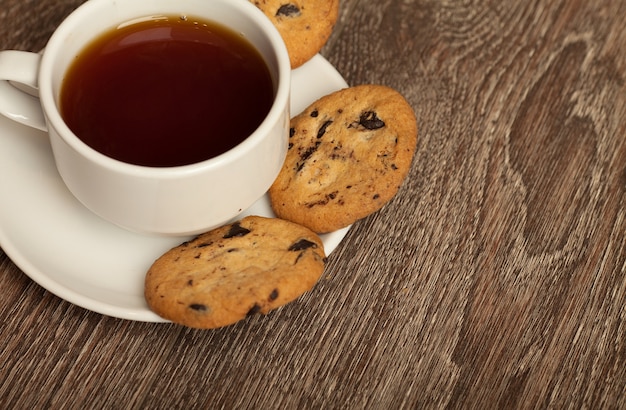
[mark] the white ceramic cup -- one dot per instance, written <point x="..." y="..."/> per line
<point x="173" y="201"/>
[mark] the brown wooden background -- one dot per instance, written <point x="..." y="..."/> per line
<point x="495" y="279"/>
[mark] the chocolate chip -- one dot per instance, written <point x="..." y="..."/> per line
<point x="314" y="113"/>
<point x="327" y="198"/>
<point x="204" y="244"/>
<point x="253" y="310"/>
<point x="322" y="129"/>
<point x="306" y="155"/>
<point x="288" y="10"/>
<point x="292" y="132"/>
<point x="236" y="230"/>
<point x="198" y="307"/>
<point x="273" y="295"/>
<point x="369" y="120"/>
<point x="301" y="245"/>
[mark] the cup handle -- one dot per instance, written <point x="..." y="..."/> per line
<point x="19" y="87"/>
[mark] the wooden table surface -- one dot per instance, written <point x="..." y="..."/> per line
<point x="496" y="278"/>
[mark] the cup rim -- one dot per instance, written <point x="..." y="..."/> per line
<point x="281" y="97"/>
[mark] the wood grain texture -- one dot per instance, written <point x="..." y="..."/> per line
<point x="496" y="278"/>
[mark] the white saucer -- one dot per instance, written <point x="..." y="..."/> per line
<point x="78" y="256"/>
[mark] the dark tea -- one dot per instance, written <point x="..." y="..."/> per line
<point x="166" y="92"/>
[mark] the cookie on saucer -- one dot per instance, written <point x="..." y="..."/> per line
<point x="304" y="25"/>
<point x="251" y="266"/>
<point x="349" y="152"/>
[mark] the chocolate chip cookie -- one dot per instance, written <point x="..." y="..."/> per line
<point x="349" y="152"/>
<point x="305" y="25"/>
<point x="251" y="266"/>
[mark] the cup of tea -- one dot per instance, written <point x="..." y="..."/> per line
<point x="164" y="117"/>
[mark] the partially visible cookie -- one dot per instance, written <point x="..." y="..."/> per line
<point x="251" y="266"/>
<point x="305" y="25"/>
<point x="348" y="155"/>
